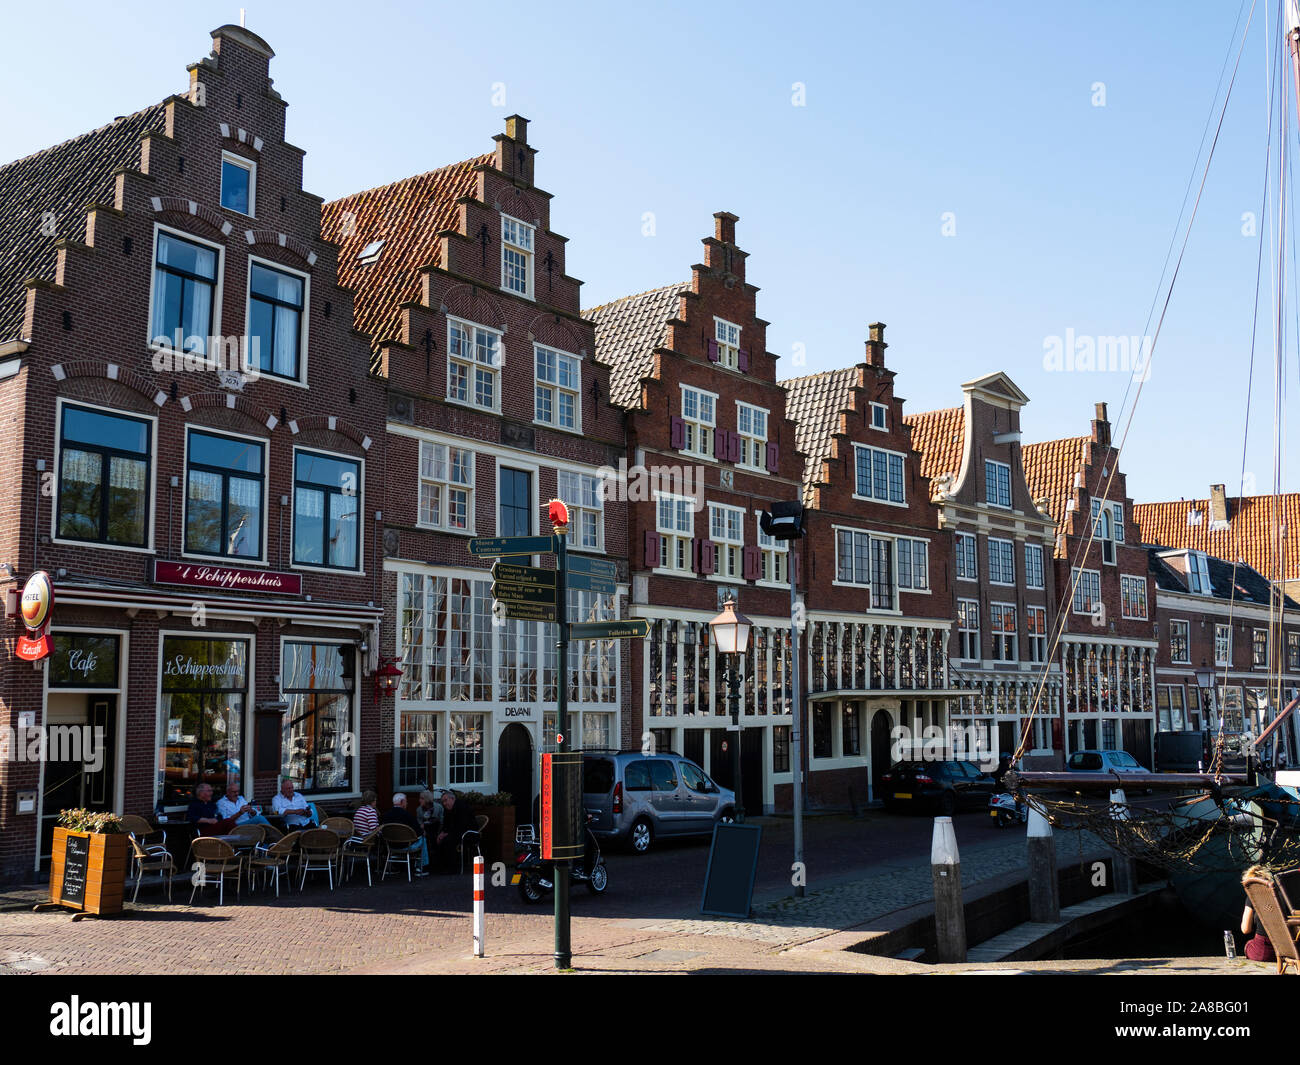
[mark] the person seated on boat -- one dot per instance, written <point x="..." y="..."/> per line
<point x="1258" y="948"/>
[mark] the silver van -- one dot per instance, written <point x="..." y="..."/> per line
<point x="636" y="798"/>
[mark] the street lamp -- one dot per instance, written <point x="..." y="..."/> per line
<point x="731" y="637"/>
<point x="1205" y="681"/>
<point x="387" y="676"/>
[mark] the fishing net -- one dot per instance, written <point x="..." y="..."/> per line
<point x="1204" y="832"/>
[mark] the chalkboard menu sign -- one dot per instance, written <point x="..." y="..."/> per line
<point x="733" y="865"/>
<point x="76" y="858"/>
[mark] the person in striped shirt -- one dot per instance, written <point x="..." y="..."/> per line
<point x="366" y="819"/>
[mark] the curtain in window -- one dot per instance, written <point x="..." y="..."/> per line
<point x="343" y="531"/>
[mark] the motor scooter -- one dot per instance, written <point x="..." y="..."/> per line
<point x="1007" y="810"/>
<point x="536" y="876"/>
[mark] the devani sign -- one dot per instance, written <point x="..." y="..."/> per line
<point x="223" y="578"/>
<point x="518" y="711"/>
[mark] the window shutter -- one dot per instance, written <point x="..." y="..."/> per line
<point x="652" y="547"/>
<point x="695" y="555"/>
<point x="773" y="458"/>
<point x="742" y="360"/>
<point x="713" y="350"/>
<point x="753" y="563"/>
<point x="709" y="557"/>
<point x="720" y="444"/>
<point x="678" y="434"/>
<point x="733" y="447"/>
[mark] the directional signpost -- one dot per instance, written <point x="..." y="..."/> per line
<point x="530" y="593"/>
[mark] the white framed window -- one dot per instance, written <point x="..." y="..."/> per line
<point x="1002" y="561"/>
<point x="1198" y="574"/>
<point x="967" y="557"/>
<point x="880" y="417"/>
<point x="1179" y="641"/>
<point x="1036" y="627"/>
<point x="327" y="508"/>
<point x="675" y="523"/>
<point x="913" y="564"/>
<point x="474" y="361"/>
<point x="699" y="418"/>
<point x="225" y="494"/>
<point x="1033" y="566"/>
<point x="1087" y="589"/>
<point x="775" y="558"/>
<point x="1293" y="651"/>
<point x="1002" y="625"/>
<point x="1259" y="649"/>
<point x="238" y="184"/>
<point x="1133" y="597"/>
<point x="185" y="293"/>
<point x="516" y="256"/>
<point x="1222" y="645"/>
<point x="558" y="390"/>
<point x="1108" y="526"/>
<point x="581" y="493"/>
<point x="968" y="628"/>
<point x="879" y="475"/>
<point x="597" y="730"/>
<point x="727" y="530"/>
<point x="278" y="302"/>
<point x="751" y="425"/>
<point x="446" y="487"/>
<point x="727" y="336"/>
<point x="997" y="483"/>
<point x="866" y="560"/>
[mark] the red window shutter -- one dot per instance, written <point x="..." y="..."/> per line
<point x="652" y="548"/>
<point x="742" y="360"/>
<point x="753" y="563"/>
<point x="720" y="444"/>
<point x="695" y="555"/>
<point x="773" y="458"/>
<point x="1058" y="735"/>
<point x="677" y="431"/>
<point x="733" y="447"/>
<point x="709" y="561"/>
<point x="713" y="350"/>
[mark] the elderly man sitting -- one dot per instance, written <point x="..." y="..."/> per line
<point x="234" y="808"/>
<point x="296" y="811"/>
<point x="398" y="814"/>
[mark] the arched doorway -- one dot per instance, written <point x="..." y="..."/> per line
<point x="881" y="724"/>
<point x="515" y="769"/>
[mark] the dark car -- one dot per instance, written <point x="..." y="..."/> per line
<point x="943" y="786"/>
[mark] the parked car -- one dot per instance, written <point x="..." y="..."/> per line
<point x="636" y="798"/>
<point x="943" y="786"/>
<point x="1104" y="762"/>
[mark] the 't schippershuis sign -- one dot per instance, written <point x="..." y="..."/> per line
<point x="226" y="579"/>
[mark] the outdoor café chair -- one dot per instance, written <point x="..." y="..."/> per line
<point x="401" y="844"/>
<point x="249" y="835"/>
<point x="1281" y="931"/>
<point x="340" y="826"/>
<point x="318" y="851"/>
<point x="359" y="849"/>
<point x="272" y="859"/>
<point x="216" y="860"/>
<point x="472" y="836"/>
<point x="151" y="858"/>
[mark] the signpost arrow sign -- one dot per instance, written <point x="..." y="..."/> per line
<point x="508" y="592"/>
<point x="482" y="546"/>
<point x="542" y="578"/>
<point x="597" y="567"/>
<point x="628" y="629"/>
<point x="592" y="583"/>
<point x="530" y="611"/>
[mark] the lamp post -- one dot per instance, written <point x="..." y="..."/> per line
<point x="387" y="676"/>
<point x="731" y="637"/>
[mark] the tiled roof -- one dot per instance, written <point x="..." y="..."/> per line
<point x="940" y="437"/>
<point x="1240" y="582"/>
<point x="1250" y="535"/>
<point x="815" y="404"/>
<point x="1049" y="472"/>
<point x="407" y="216"/>
<point x="57" y="185"/>
<point x="627" y="332"/>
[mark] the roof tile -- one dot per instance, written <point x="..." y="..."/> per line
<point x="940" y="437"/>
<point x="817" y="404"/>
<point x="627" y="332"/>
<point x="1250" y="535"/>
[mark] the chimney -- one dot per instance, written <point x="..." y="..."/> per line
<point x="876" y="345"/>
<point x="513" y="155"/>
<point x="1218" y="507"/>
<point x="724" y="228"/>
<point x="517" y="128"/>
<point x="1101" y="426"/>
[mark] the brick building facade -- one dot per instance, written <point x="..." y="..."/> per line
<point x="191" y="424"/>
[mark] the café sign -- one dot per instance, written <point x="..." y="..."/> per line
<point x="225" y="578"/>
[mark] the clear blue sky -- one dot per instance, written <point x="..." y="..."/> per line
<point x="1063" y="210"/>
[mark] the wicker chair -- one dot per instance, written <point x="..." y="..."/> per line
<point x="358" y="849"/>
<point x="1280" y="930"/>
<point x="249" y="835"/>
<point x="1288" y="891"/>
<point x="216" y="859"/>
<point x="151" y="858"/>
<point x="318" y="852"/>
<point x="272" y="860"/>
<point x="340" y="826"/>
<point x="401" y="844"/>
<point x="472" y="836"/>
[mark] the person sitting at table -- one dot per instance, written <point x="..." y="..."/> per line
<point x="429" y="816"/>
<point x="202" y="810"/>
<point x="293" y="807"/>
<point x="366" y="818"/>
<point x="234" y="808"/>
<point x="457" y="819"/>
<point x="398" y="814"/>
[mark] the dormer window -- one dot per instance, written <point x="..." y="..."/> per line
<point x="1108" y="527"/>
<point x="238" y="183"/>
<point x="370" y="253"/>
<point x="1198" y="574"/>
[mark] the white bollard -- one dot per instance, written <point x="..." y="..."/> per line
<point x="1123" y="867"/>
<point x="478" y="906"/>
<point x="949" y="911"/>
<point x="1044" y="892"/>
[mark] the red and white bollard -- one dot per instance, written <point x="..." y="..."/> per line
<point x="478" y="906"/>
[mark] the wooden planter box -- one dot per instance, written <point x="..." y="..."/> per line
<point x="498" y="841"/>
<point x="103" y="885"/>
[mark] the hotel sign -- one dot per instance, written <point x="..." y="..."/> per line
<point x="226" y="579"/>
